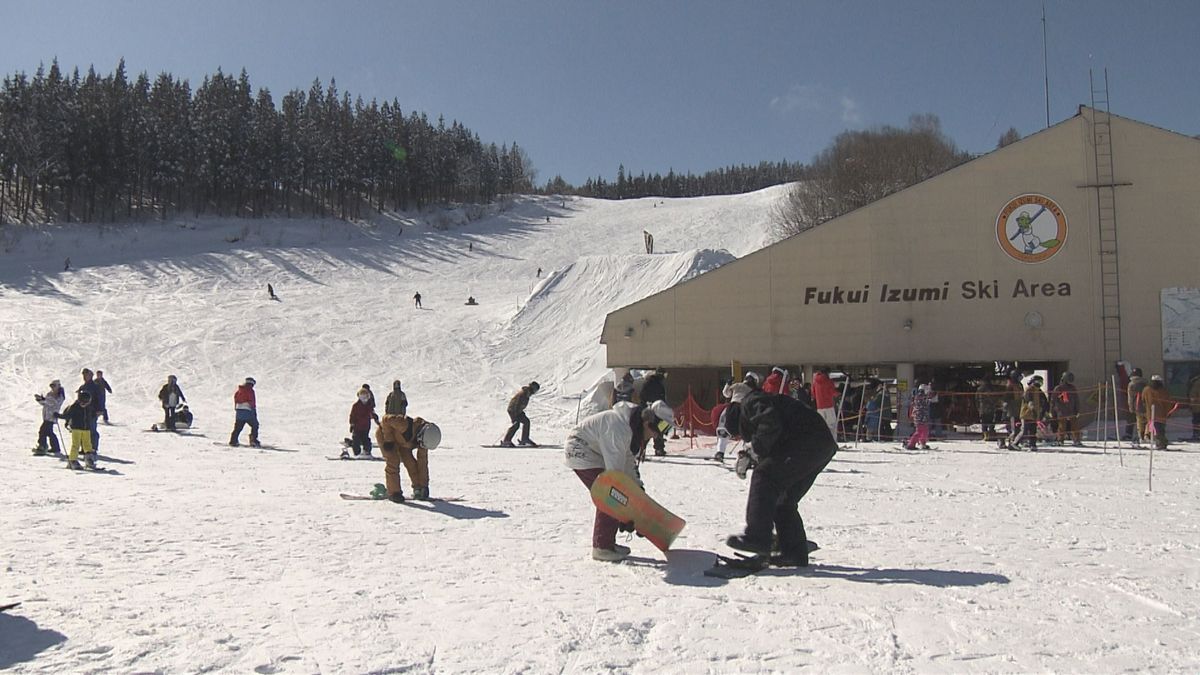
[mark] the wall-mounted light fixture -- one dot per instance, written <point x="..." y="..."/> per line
<point x="645" y="323"/>
<point x="628" y="332"/>
<point x="908" y="324"/>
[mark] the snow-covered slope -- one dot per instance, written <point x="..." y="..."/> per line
<point x="196" y="558"/>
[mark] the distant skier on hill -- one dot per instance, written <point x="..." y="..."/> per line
<point x="516" y="413"/>
<point x="271" y="292"/>
<point x="417" y="299"/>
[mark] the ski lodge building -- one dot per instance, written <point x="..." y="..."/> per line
<point x="1075" y="248"/>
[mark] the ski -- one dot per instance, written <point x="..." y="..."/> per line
<point x="524" y="447"/>
<point x="11" y="605"/>
<point x="737" y="568"/>
<point x="353" y="458"/>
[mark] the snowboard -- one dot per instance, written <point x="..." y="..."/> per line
<point x="369" y="498"/>
<point x="619" y="495"/>
<point x="247" y="446"/>
<point x="744" y="565"/>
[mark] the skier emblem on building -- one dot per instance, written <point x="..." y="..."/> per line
<point x="1031" y="228"/>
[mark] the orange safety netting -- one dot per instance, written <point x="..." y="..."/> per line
<point x="693" y="419"/>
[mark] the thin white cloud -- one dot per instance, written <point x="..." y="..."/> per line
<point x="817" y="100"/>
<point x="850" y="113"/>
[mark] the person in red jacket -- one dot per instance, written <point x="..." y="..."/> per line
<point x="246" y="412"/>
<point x="825" y="396"/>
<point x="775" y="381"/>
<point x="361" y="414"/>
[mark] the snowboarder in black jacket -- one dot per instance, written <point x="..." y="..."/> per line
<point x="792" y="444"/>
<point x="654" y="388"/>
<point x="171" y="396"/>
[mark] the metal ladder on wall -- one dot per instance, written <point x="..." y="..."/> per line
<point x="1106" y="215"/>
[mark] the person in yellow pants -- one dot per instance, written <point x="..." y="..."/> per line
<point x="398" y="436"/>
<point x="79" y="416"/>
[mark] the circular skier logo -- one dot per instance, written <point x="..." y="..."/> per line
<point x="1031" y="228"/>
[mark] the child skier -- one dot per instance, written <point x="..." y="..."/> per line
<point x="612" y="441"/>
<point x="171" y="396"/>
<point x="919" y="411"/>
<point x="361" y="414"/>
<point x="80" y="416"/>
<point x="51" y="402"/>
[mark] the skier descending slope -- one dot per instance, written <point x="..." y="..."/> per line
<point x="613" y="440"/>
<point x="793" y="445"/>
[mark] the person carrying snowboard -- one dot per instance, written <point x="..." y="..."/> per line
<point x="361" y="414"/>
<point x="793" y="444"/>
<point x="51" y="401"/>
<point x="516" y="413"/>
<point x="170" y="396"/>
<point x="612" y="441"/>
<point x="398" y="436"/>
<point x="80" y="417"/>
<point x="245" y="409"/>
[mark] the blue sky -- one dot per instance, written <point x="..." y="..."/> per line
<point x="695" y="85"/>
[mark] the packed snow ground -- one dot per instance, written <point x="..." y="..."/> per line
<point x="196" y="558"/>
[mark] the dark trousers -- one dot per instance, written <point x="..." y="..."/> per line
<point x="360" y="442"/>
<point x="604" y="527"/>
<point x="776" y="488"/>
<point x="169" y="418"/>
<point x="241" y="423"/>
<point x="46" y="435"/>
<point x="95" y="434"/>
<point x="518" y="420"/>
<point x="1196" y="424"/>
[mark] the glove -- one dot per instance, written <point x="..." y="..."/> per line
<point x="351" y="429"/>
<point x="39" y="398"/>
<point x="625" y="527"/>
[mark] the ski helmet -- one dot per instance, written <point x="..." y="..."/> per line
<point x="534" y="387"/>
<point x="250" y="381"/>
<point x="752" y="378"/>
<point x="660" y="415"/>
<point x="429" y="436"/>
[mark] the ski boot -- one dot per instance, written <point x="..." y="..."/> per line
<point x="421" y="493"/>
<point x="345" y="455"/>
<point x="39" y="451"/>
<point x="743" y="465"/>
<point x="719" y="456"/>
<point x="255" y="444"/>
<point x="507" y="444"/>
<point x="73" y="465"/>
<point x="89" y="461"/>
<point x="528" y="443"/>
<point x="609" y="554"/>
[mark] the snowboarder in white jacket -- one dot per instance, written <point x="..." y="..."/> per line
<point x="612" y="441"/>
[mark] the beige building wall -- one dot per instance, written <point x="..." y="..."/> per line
<point x="941" y="236"/>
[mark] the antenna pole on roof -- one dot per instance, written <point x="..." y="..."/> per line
<point x="1045" y="66"/>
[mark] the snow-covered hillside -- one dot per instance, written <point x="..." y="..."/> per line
<point x="195" y="557"/>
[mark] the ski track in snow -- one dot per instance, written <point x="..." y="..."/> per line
<point x="201" y="558"/>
